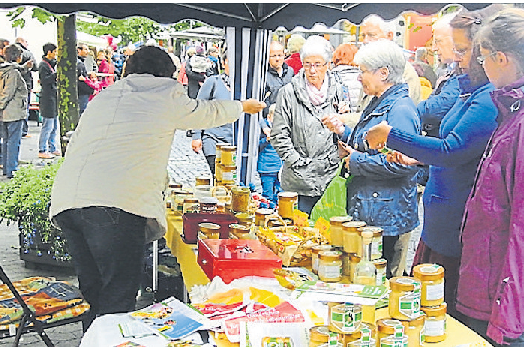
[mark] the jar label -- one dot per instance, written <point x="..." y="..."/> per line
<point x="409" y="305"/>
<point x="435" y="291"/>
<point x="329" y="271"/>
<point x="380" y="279"/>
<point x="229" y="176"/>
<point x="376" y="248"/>
<point x="347" y="321"/>
<point x="392" y="342"/>
<point x="434" y="327"/>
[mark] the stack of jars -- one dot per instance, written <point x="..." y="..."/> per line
<point x="225" y="164"/>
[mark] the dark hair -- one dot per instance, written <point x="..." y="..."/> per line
<point x="3" y="43"/>
<point x="12" y="53"/>
<point x="48" y="47"/>
<point x="150" y="60"/>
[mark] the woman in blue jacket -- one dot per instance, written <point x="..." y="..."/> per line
<point x="381" y="193"/>
<point x="453" y="157"/>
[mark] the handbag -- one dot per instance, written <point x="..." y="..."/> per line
<point x="333" y="201"/>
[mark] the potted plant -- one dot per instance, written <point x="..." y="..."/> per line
<point x="25" y="199"/>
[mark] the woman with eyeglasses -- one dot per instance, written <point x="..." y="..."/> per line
<point x="491" y="282"/>
<point x="452" y="157"/>
<point x="380" y="193"/>
<point x="304" y="144"/>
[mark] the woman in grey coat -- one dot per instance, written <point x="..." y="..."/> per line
<point x="307" y="147"/>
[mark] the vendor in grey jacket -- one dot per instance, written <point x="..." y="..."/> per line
<point x="304" y="143"/>
<point x="382" y="194"/>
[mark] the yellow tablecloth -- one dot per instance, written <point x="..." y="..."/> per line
<point x="457" y="333"/>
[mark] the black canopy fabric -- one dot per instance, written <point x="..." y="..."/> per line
<point x="255" y="15"/>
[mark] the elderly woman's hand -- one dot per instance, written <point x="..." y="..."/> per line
<point x="333" y="123"/>
<point x="399" y="158"/>
<point x="378" y="135"/>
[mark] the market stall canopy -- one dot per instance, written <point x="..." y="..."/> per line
<point x="255" y="15"/>
<point x="91" y="40"/>
<point x="200" y="33"/>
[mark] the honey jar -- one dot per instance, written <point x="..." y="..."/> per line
<point x="208" y="231"/>
<point x="435" y="324"/>
<point x="178" y="199"/>
<point x="208" y="204"/>
<point x="354" y="259"/>
<point x="218" y="155"/>
<point x="414" y="330"/>
<point x="190" y="205"/>
<point x="287" y="203"/>
<point x="203" y="181"/>
<point x="240" y="199"/>
<point x="319" y="335"/>
<point x="260" y="216"/>
<point x="218" y="173"/>
<point x="431" y="276"/>
<point x="394" y="342"/>
<point x="239" y="231"/>
<point x="404" y="299"/>
<point x="376" y="241"/>
<point x="380" y="265"/>
<point x="228" y="174"/>
<point x="245" y="219"/>
<point x="330" y="266"/>
<point x="228" y="155"/>
<point x="345" y="318"/>
<point x="387" y="328"/>
<point x="351" y="237"/>
<point x="336" y="232"/>
<point x="314" y="255"/>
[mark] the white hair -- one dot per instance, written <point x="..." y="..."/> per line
<point x="383" y="53"/>
<point x="317" y="45"/>
<point x="386" y="27"/>
<point x="443" y="22"/>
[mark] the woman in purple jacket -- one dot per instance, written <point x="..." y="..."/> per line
<point x="491" y="283"/>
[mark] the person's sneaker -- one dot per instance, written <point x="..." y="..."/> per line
<point x="27" y="136"/>
<point x="57" y="153"/>
<point x="45" y="155"/>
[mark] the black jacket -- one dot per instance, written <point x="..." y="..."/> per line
<point x="48" y="95"/>
<point x="83" y="88"/>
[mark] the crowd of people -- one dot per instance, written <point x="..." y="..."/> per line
<point x="365" y="105"/>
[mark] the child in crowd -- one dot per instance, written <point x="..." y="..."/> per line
<point x="93" y="82"/>
<point x="269" y="163"/>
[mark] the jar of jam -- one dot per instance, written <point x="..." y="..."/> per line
<point x="208" y="231"/>
<point x="330" y="266"/>
<point x="336" y="232"/>
<point x="414" y="330"/>
<point x="431" y="276"/>
<point x="345" y="318"/>
<point x="389" y="328"/>
<point x="435" y="324"/>
<point x="404" y="299"/>
<point x="314" y="255"/>
<point x="351" y="237"/>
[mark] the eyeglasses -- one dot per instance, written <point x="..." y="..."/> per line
<point x="482" y="58"/>
<point x="460" y="52"/>
<point x="277" y="56"/>
<point x="317" y="66"/>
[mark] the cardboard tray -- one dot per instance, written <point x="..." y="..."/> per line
<point x="191" y="220"/>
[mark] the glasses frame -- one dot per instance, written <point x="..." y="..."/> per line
<point x="308" y="66"/>
<point x="481" y="59"/>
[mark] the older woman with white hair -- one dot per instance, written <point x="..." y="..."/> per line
<point x="382" y="194"/>
<point x="306" y="146"/>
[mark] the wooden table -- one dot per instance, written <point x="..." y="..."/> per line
<point x="457" y="333"/>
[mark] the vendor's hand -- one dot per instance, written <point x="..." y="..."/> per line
<point x="399" y="158"/>
<point x="253" y="106"/>
<point x="377" y="136"/>
<point x="196" y="145"/>
<point x="333" y="123"/>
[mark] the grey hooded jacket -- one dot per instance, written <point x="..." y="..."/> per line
<point x="13" y="93"/>
<point x="307" y="147"/>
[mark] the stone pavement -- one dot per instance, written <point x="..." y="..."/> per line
<point x="183" y="166"/>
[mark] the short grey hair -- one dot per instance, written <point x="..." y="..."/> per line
<point x="383" y="53"/>
<point x="317" y="45"/>
<point x="444" y="21"/>
<point x="386" y="27"/>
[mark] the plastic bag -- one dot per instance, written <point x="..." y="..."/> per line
<point x="333" y="201"/>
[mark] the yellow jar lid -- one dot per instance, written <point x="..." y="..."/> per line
<point x="208" y="227"/>
<point x="319" y="333"/>
<point x="288" y="195"/>
<point x="403" y="283"/>
<point x="339" y="220"/>
<point x="320" y="248"/>
<point x="380" y="263"/>
<point x="229" y="148"/>
<point x="388" y="326"/>
<point x="354" y="225"/>
<point x="417" y="322"/>
<point x="435" y="311"/>
<point x="377" y="231"/>
<point x="428" y="272"/>
<point x="354" y="257"/>
<point x="222" y="144"/>
<point x="191" y="200"/>
<point x="330" y="255"/>
<point x="239" y="228"/>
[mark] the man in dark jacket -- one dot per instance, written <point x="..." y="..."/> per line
<point x="195" y="74"/>
<point x="278" y="75"/>
<point x="84" y="91"/>
<point x="29" y="65"/>
<point x="47" y="146"/>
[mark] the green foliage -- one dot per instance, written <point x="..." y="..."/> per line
<point x="26" y="199"/>
<point x="42" y="15"/>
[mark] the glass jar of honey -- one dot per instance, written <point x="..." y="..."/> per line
<point x="228" y="155"/>
<point x="335" y="229"/>
<point x="414" y="330"/>
<point x="238" y="231"/>
<point x="330" y="266"/>
<point x="380" y="266"/>
<point x="431" y="276"/>
<point x="351" y="237"/>
<point x="404" y="299"/>
<point x="354" y="259"/>
<point x="190" y="205"/>
<point x="318" y="335"/>
<point x="260" y="216"/>
<point x="228" y="174"/>
<point x="345" y="318"/>
<point x="389" y="328"/>
<point x="435" y="324"/>
<point x="208" y="231"/>
<point x="240" y="199"/>
<point x="314" y="255"/>
<point x="287" y="203"/>
<point x="218" y="155"/>
<point x="376" y="241"/>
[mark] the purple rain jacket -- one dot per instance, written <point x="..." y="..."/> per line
<point x="491" y="282"/>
